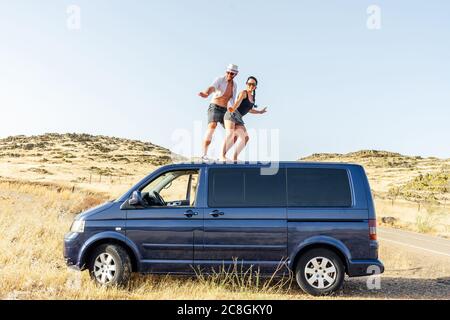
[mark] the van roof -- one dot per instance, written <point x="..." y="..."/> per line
<point x="261" y="163"/>
<point x="251" y="164"/>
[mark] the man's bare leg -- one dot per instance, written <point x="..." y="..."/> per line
<point x="208" y="137"/>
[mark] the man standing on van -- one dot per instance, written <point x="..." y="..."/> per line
<point x="224" y="93"/>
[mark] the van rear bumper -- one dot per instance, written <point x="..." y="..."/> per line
<point x="360" y="268"/>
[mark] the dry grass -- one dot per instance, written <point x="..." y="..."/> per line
<point x="34" y="217"/>
<point x="33" y="220"/>
<point x="428" y="219"/>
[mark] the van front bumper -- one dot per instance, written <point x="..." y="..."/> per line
<point x="72" y="247"/>
<point x="360" y="268"/>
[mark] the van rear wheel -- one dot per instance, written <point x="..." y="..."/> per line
<point x="320" y="272"/>
<point x="110" y="265"/>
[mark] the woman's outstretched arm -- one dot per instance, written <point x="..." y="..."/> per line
<point x="254" y="111"/>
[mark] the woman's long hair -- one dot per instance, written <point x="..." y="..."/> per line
<point x="254" y="91"/>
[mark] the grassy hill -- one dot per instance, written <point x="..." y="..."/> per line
<point x="415" y="191"/>
<point x="395" y="175"/>
<point x="81" y="160"/>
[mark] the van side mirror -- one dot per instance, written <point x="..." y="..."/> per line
<point x="136" y="198"/>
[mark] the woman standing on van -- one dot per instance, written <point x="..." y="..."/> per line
<point x="234" y="125"/>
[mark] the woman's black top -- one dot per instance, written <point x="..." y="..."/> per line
<point x="245" y="106"/>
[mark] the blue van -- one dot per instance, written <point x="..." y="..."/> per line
<point x="316" y="218"/>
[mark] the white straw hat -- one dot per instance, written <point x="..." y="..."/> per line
<point x="232" y="68"/>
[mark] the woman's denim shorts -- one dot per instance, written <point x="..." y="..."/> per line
<point x="235" y="117"/>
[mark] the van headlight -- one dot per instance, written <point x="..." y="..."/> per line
<point x="77" y="226"/>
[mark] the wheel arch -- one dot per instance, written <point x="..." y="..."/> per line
<point x="333" y="245"/>
<point x="110" y="238"/>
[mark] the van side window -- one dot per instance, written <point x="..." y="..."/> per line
<point x="234" y="187"/>
<point x="182" y="190"/>
<point x="226" y="188"/>
<point x="318" y="187"/>
<point x="176" y="188"/>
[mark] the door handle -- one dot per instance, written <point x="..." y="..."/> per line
<point x="190" y="213"/>
<point x="216" y="213"/>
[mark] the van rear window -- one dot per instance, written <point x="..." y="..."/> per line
<point x="234" y="187"/>
<point x="318" y="187"/>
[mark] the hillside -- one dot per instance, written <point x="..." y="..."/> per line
<point x="80" y="160"/>
<point x="91" y="161"/>
<point x="394" y="175"/>
<point x="410" y="192"/>
<point x="414" y="190"/>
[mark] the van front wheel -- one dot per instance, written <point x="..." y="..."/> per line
<point x="320" y="272"/>
<point x="110" y="265"/>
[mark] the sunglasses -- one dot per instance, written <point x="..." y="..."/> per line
<point x="251" y="84"/>
<point x="231" y="73"/>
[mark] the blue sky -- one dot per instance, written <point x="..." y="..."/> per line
<point x="134" y="69"/>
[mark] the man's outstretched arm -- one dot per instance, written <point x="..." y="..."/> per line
<point x="207" y="92"/>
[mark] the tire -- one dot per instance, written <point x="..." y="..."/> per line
<point x="315" y="278"/>
<point x="110" y="266"/>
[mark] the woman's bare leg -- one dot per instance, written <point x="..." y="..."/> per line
<point x="230" y="139"/>
<point x="208" y="137"/>
<point x="241" y="133"/>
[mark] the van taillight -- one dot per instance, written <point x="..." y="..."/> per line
<point x="372" y="229"/>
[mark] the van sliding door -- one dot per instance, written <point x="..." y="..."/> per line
<point x="245" y="221"/>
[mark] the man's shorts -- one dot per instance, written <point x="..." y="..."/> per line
<point x="216" y="113"/>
